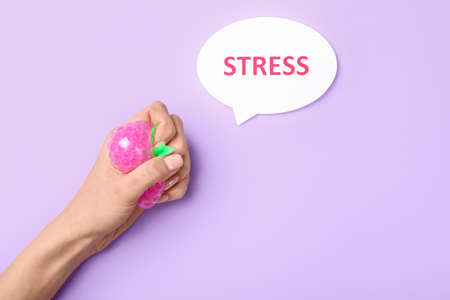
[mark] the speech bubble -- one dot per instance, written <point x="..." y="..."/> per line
<point x="266" y="66"/>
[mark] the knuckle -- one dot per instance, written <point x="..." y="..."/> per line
<point x="184" y="147"/>
<point x="177" y="194"/>
<point x="179" y="190"/>
<point x="181" y="151"/>
<point x="159" y="104"/>
<point x="177" y="119"/>
<point x="188" y="178"/>
<point x="180" y="148"/>
<point x="170" y="131"/>
<point x="186" y="169"/>
<point x="184" y="187"/>
<point x="183" y="172"/>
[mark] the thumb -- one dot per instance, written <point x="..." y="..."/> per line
<point x="151" y="172"/>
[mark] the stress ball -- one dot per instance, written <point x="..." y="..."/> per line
<point x="130" y="146"/>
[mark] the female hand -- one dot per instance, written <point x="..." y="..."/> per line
<point x="104" y="207"/>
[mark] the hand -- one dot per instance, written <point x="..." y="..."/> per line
<point x="105" y="206"/>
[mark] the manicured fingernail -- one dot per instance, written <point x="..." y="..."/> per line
<point x="169" y="183"/>
<point x="163" y="198"/>
<point x="173" y="162"/>
<point x="159" y="144"/>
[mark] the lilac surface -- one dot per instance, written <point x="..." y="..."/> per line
<point x="347" y="198"/>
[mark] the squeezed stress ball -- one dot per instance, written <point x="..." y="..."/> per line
<point x="129" y="147"/>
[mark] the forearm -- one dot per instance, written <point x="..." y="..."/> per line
<point x="105" y="206"/>
<point x="43" y="266"/>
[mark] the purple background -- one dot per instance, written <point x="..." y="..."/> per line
<point x="347" y="198"/>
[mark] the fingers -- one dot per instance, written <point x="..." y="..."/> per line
<point x="157" y="113"/>
<point x="171" y="182"/>
<point x="173" y="169"/>
<point x="186" y="167"/>
<point x="176" y="185"/>
<point x="178" y="143"/>
<point x="177" y="191"/>
<point x="160" y="115"/>
<point x="182" y="173"/>
<point x="148" y="174"/>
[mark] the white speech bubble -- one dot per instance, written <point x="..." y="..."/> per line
<point x="266" y="39"/>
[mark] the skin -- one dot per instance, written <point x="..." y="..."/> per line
<point x="103" y="209"/>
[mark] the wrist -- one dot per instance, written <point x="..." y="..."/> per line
<point x="70" y="238"/>
<point x="78" y="231"/>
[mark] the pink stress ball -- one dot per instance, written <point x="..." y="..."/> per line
<point x="129" y="147"/>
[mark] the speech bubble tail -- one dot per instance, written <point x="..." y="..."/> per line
<point x="242" y="115"/>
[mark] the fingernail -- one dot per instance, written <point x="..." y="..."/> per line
<point x="173" y="162"/>
<point x="159" y="144"/>
<point x="169" y="183"/>
<point x="163" y="198"/>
